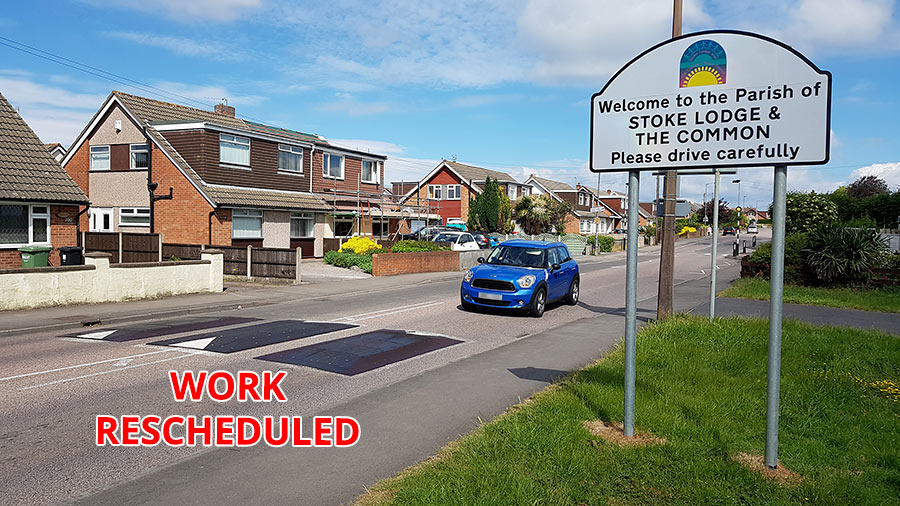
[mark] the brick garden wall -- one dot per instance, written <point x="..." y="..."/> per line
<point x="389" y="264"/>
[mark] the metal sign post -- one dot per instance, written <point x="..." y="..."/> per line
<point x="715" y="250"/>
<point x="776" y="293"/>
<point x="634" y="181"/>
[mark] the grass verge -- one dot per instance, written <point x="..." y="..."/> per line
<point x="701" y="387"/>
<point x="875" y="299"/>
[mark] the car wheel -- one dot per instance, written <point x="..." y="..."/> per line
<point x="574" y="292"/>
<point x="538" y="303"/>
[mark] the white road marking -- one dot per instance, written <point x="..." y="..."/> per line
<point x="420" y="306"/>
<point x="197" y="344"/>
<point x="185" y="354"/>
<point x="391" y="309"/>
<point x="97" y="335"/>
<point x="83" y="365"/>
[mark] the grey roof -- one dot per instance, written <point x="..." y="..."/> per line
<point x="27" y="170"/>
<point x="551" y="184"/>
<point x="472" y="173"/>
<point x="257" y="197"/>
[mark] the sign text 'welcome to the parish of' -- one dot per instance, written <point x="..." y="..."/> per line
<point x="712" y="99"/>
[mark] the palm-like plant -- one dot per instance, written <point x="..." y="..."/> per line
<point x="840" y="253"/>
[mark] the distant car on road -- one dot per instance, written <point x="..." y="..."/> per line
<point x="457" y="224"/>
<point x="459" y="241"/>
<point x="484" y="240"/>
<point x="522" y="275"/>
<point x="729" y="231"/>
<point x="753" y="229"/>
<point x="426" y="233"/>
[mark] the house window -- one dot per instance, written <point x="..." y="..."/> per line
<point x="332" y="166"/>
<point x="343" y="227"/>
<point x="580" y="199"/>
<point x="585" y="226"/>
<point x="526" y="191"/>
<point x="99" y="157"/>
<point x="246" y="224"/>
<point x="302" y="225"/>
<point x="511" y="190"/>
<point x="234" y="150"/>
<point x="22" y="224"/>
<point x="453" y="192"/>
<point x="290" y="158"/>
<point x="380" y="228"/>
<point x="139" y="156"/>
<point x="134" y="217"/>
<point x="369" y="172"/>
<point x="435" y="192"/>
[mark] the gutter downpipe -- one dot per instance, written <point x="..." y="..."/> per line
<point x="211" y="213"/>
<point x="78" y="224"/>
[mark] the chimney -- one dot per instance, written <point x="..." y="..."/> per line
<point x="225" y="110"/>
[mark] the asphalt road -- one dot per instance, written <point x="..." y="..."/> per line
<point x="52" y="387"/>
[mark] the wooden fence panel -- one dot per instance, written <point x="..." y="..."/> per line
<point x="105" y="242"/>
<point x="182" y="251"/>
<point x="235" y="260"/>
<point x="137" y="247"/>
<point x="273" y="263"/>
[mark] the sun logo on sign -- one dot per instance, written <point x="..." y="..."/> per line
<point x="702" y="64"/>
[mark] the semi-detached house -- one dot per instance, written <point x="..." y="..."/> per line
<point x="233" y="181"/>
<point x="581" y="219"/>
<point x="39" y="202"/>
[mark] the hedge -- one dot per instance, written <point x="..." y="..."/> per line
<point x="347" y="260"/>
<point x="416" y="246"/>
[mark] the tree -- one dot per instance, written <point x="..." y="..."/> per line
<point x="484" y="208"/>
<point x="537" y="214"/>
<point x="725" y="212"/>
<point x="805" y="211"/>
<point x="868" y="186"/>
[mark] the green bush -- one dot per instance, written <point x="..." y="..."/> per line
<point x="840" y="254"/>
<point x="794" y="244"/>
<point x="347" y="260"/>
<point x="416" y="246"/>
<point x="605" y="242"/>
<point x="892" y="262"/>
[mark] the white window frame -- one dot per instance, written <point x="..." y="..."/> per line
<point x="512" y="191"/>
<point x="246" y="214"/>
<point x="374" y="166"/>
<point x="234" y="141"/>
<point x="326" y="167"/>
<point x="435" y="192"/>
<point x="32" y="214"/>
<point x="98" y="151"/>
<point x="293" y="150"/>
<point x="300" y="216"/>
<point x="141" y="148"/>
<point x="453" y="192"/>
<point x="580" y="199"/>
<point x="96" y="213"/>
<point x="134" y="212"/>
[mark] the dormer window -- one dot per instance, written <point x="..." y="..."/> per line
<point x="234" y="150"/>
<point x="369" y="172"/>
<point x="332" y="166"/>
<point x="290" y="159"/>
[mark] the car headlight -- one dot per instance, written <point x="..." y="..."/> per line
<point x="469" y="275"/>
<point x="526" y="281"/>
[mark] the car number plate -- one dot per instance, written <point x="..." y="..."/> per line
<point x="490" y="296"/>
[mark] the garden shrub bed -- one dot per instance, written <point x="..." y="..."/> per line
<point x="347" y="260"/>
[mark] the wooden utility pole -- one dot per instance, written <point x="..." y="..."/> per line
<point x="667" y="251"/>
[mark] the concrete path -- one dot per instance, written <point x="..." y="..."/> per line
<point x="817" y="315"/>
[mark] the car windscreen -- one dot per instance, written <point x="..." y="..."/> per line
<point x="518" y="256"/>
<point x="446" y="238"/>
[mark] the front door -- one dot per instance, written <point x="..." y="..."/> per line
<point x="101" y="219"/>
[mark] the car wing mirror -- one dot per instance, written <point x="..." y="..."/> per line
<point x="555" y="267"/>
<point x="481" y="260"/>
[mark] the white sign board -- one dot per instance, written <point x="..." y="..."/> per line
<point x="712" y="99"/>
<point x="596" y="209"/>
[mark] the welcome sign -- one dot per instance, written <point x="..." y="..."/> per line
<point x="712" y="99"/>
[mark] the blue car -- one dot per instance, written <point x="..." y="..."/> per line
<point x="522" y="275"/>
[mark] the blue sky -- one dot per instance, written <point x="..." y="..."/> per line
<point x="499" y="84"/>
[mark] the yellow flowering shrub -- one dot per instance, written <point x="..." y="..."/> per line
<point x="360" y="245"/>
<point x="686" y="230"/>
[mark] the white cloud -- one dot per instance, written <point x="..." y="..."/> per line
<point x="24" y="92"/>
<point x="187" y="10"/>
<point x="379" y="147"/>
<point x="890" y="172"/>
<point x="485" y="99"/>
<point x="180" y="45"/>
<point x="209" y="94"/>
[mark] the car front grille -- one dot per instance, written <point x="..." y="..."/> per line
<point x="493" y="284"/>
<point x="489" y="302"/>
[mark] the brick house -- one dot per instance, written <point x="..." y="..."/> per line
<point x="582" y="199"/>
<point x="38" y="201"/>
<point x="233" y="182"/>
<point x="446" y="190"/>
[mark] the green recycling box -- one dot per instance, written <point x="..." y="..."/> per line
<point x="35" y="256"/>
